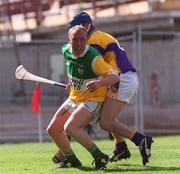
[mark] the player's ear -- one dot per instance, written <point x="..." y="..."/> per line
<point x="86" y="26"/>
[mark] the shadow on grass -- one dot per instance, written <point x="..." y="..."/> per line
<point x="119" y="169"/>
<point x="86" y="169"/>
<point x="147" y="168"/>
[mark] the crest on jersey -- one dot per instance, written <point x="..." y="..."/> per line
<point x="80" y="70"/>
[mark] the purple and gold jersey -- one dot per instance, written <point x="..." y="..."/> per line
<point x="111" y="51"/>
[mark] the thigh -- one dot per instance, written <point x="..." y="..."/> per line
<point x="61" y="116"/>
<point x="110" y="110"/>
<point x="80" y="117"/>
<point x="95" y="109"/>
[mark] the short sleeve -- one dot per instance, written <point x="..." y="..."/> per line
<point x="101" y="68"/>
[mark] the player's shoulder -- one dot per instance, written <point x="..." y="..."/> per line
<point x="102" y="38"/>
<point x="104" y="35"/>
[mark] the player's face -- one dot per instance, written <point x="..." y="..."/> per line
<point x="78" y="41"/>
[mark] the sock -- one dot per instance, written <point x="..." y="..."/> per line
<point x="121" y="146"/>
<point x="95" y="151"/>
<point x="59" y="156"/>
<point x="70" y="156"/>
<point x="137" y="138"/>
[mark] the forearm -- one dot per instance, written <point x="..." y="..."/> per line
<point x="108" y="80"/>
<point x="104" y="81"/>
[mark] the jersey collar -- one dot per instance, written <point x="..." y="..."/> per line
<point x="84" y="52"/>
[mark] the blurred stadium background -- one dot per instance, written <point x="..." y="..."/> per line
<point x="32" y="33"/>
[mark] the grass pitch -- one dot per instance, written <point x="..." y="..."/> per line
<point x="35" y="158"/>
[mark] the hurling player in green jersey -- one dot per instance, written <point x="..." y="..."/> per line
<point x="89" y="75"/>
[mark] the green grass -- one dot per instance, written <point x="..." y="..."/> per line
<point x="35" y="158"/>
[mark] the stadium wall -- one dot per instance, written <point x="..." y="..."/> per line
<point x="160" y="55"/>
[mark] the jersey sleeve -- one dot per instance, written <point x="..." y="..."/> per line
<point x="64" y="48"/>
<point x="101" y="68"/>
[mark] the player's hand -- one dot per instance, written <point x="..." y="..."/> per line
<point x="92" y="85"/>
<point x="68" y="87"/>
<point x="115" y="87"/>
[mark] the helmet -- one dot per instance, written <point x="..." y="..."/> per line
<point x="80" y="18"/>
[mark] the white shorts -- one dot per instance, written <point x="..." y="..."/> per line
<point x="93" y="107"/>
<point x="126" y="89"/>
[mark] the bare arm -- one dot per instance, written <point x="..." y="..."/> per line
<point x="109" y="79"/>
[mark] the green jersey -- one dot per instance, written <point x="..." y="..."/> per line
<point x="89" y="66"/>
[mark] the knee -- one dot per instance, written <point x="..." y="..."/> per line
<point x="54" y="129"/>
<point x="69" y="128"/>
<point x="49" y="129"/>
<point x="104" y="125"/>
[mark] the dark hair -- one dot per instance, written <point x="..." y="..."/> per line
<point x="79" y="19"/>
